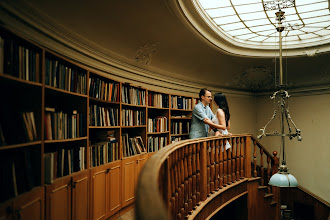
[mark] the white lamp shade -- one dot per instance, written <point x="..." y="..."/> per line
<point x="283" y="180"/>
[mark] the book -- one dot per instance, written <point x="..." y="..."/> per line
<point x="49" y="168"/>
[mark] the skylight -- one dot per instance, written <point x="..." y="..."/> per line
<point x="250" y="22"/>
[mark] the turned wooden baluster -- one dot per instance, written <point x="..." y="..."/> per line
<point x="229" y="164"/>
<point x="225" y="169"/>
<point x="177" y="185"/>
<point x="255" y="159"/>
<point x="268" y="172"/>
<point x="194" y="177"/>
<point x="212" y="170"/>
<point x="203" y="170"/>
<point x="182" y="178"/>
<point x="208" y="166"/>
<point x="190" y="173"/>
<point x="172" y="202"/>
<point x="221" y="172"/>
<point x="238" y="158"/>
<point x="233" y="159"/>
<point x="242" y="158"/>
<point x="217" y="167"/>
<point x="198" y="169"/>
<point x="262" y="171"/>
<point x="186" y="187"/>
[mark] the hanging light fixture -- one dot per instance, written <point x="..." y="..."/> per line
<point x="282" y="178"/>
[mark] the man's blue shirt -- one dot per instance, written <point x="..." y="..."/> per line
<point x="198" y="128"/>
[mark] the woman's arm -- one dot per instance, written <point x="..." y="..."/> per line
<point x="228" y="127"/>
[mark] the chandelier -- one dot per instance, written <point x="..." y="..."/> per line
<point x="282" y="178"/>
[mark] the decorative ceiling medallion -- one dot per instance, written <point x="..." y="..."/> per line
<point x="145" y="53"/>
<point x="255" y="79"/>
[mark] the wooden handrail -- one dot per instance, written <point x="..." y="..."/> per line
<point x="181" y="175"/>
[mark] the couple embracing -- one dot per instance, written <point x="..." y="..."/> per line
<point x="204" y="123"/>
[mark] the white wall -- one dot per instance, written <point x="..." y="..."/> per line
<point x="242" y="113"/>
<point x="307" y="160"/>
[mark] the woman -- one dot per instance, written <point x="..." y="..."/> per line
<point x="222" y="119"/>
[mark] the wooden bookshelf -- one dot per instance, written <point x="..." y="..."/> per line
<point x="158" y="120"/>
<point x="75" y="129"/>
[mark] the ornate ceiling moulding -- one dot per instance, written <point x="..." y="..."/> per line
<point x="255" y="79"/>
<point x="145" y="52"/>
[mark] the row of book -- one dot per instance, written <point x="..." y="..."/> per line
<point x="17" y="127"/>
<point x="64" y="162"/>
<point x="103" y="152"/>
<point x="104" y="90"/>
<point x="103" y="116"/>
<point x="60" y="125"/>
<point x="60" y="75"/>
<point x="156" y="143"/>
<point x="158" y="100"/>
<point x="133" y="96"/>
<point x="180" y="127"/>
<point x="131" y="117"/>
<point x="19" y="173"/>
<point x="158" y="124"/>
<point x="179" y="102"/>
<point x="132" y="145"/>
<point x="19" y="61"/>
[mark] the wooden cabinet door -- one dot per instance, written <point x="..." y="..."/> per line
<point x="58" y="199"/>
<point x="99" y="191"/>
<point x="114" y="186"/>
<point x="80" y="196"/>
<point x="128" y="180"/>
<point x="30" y="205"/>
<point x="141" y="161"/>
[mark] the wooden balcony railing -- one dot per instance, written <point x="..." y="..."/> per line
<point x="181" y="176"/>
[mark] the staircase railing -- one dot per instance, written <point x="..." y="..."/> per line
<point x="180" y="176"/>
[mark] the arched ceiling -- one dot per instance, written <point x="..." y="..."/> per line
<point x="156" y="35"/>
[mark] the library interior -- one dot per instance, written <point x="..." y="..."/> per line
<point x="97" y="101"/>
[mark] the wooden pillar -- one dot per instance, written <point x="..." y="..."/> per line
<point x="233" y="159"/>
<point x="203" y="171"/>
<point x="194" y="177"/>
<point x="229" y="163"/>
<point x="221" y="164"/>
<point x="217" y="167"/>
<point x="238" y="158"/>
<point x="212" y="168"/>
<point x="255" y="159"/>
<point x="208" y="158"/>
<point x="242" y="157"/>
<point x="198" y="171"/>
<point x="247" y="157"/>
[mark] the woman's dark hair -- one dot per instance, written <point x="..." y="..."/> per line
<point x="202" y="92"/>
<point x="221" y="101"/>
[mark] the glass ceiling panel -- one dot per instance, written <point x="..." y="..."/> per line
<point x="247" y="21"/>
<point x="227" y="20"/>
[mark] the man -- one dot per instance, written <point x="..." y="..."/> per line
<point x="202" y="116"/>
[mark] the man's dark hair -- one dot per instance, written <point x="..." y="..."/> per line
<point x="202" y="92"/>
